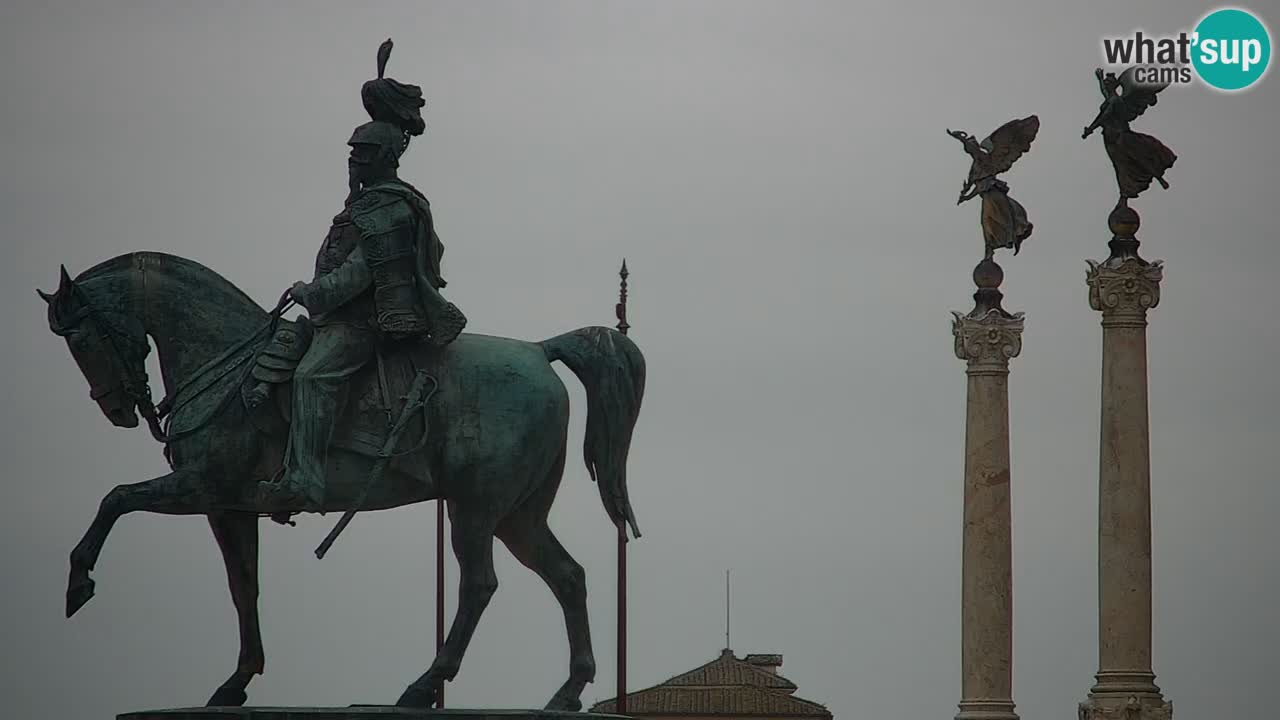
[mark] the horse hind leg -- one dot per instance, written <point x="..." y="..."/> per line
<point x="472" y="535"/>
<point x="237" y="536"/>
<point x="529" y="538"/>
<point x="534" y="545"/>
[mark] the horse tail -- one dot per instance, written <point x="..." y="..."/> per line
<point x="611" y="368"/>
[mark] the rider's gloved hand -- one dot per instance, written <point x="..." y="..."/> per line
<point x="299" y="293"/>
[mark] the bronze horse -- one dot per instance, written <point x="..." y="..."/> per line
<point x="495" y="453"/>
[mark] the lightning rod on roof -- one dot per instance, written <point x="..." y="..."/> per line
<point x="727" y="644"/>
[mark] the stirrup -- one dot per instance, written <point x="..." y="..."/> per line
<point x="284" y="518"/>
<point x="271" y="491"/>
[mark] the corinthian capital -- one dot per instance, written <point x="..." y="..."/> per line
<point x="1127" y="288"/>
<point x="988" y="340"/>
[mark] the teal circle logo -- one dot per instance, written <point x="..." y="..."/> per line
<point x="1231" y="49"/>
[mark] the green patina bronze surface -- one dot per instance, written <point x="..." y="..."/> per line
<point x="495" y="453"/>
<point x="377" y="277"/>
<point x="266" y="416"/>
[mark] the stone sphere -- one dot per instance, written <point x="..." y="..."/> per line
<point x="988" y="274"/>
<point x="1123" y="221"/>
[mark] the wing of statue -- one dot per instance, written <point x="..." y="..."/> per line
<point x="1136" y="97"/>
<point x="1004" y="146"/>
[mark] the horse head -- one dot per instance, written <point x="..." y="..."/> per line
<point x="109" y="348"/>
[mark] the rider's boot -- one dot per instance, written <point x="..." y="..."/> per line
<point x="301" y="484"/>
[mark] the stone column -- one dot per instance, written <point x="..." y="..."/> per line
<point x="1123" y="288"/>
<point x="986" y="338"/>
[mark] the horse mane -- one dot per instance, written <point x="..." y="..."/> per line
<point x="102" y="281"/>
<point x="207" y="277"/>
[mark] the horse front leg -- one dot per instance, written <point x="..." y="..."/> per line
<point x="237" y="536"/>
<point x="180" y="492"/>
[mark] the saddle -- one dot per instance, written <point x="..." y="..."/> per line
<point x="375" y="396"/>
<point x="278" y="359"/>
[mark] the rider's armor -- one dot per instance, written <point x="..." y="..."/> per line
<point x="338" y="244"/>
<point x="327" y="298"/>
<point x="386" y="226"/>
<point x="377" y="276"/>
<point x="276" y="362"/>
<point x="403" y="253"/>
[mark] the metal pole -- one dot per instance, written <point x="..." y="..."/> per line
<point x="440" y="588"/>
<point x="622" y="617"/>
<point x="621" y="311"/>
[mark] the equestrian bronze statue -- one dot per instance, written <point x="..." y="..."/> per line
<point x="376" y="400"/>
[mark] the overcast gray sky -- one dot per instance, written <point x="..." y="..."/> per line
<point x="777" y="176"/>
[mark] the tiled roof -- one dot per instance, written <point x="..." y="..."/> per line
<point x="729" y="670"/>
<point x="739" y="700"/>
<point x="724" y="686"/>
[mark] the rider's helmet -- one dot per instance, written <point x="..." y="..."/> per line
<point x="390" y="141"/>
<point x="392" y="102"/>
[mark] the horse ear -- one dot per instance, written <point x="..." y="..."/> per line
<point x="64" y="286"/>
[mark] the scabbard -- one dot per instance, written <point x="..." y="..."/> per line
<point x="412" y="402"/>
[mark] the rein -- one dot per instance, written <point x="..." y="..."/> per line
<point x="138" y="387"/>
<point x="169" y="404"/>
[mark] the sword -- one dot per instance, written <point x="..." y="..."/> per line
<point x="413" y="401"/>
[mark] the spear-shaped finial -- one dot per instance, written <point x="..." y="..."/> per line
<point x="621" y="308"/>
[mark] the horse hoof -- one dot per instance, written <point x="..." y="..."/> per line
<point x="78" y="594"/>
<point x="227" y="697"/>
<point x="417" y="696"/>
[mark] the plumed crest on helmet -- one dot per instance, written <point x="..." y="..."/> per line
<point x="390" y="101"/>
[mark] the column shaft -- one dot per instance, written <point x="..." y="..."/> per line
<point x="987" y="341"/>
<point x="1124" y="503"/>
<point x="987" y="597"/>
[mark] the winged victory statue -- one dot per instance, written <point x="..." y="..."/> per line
<point x="1138" y="158"/>
<point x="1004" y="220"/>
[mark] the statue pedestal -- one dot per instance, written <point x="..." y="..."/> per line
<point x="356" y="712"/>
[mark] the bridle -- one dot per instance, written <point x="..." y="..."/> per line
<point x="129" y="353"/>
